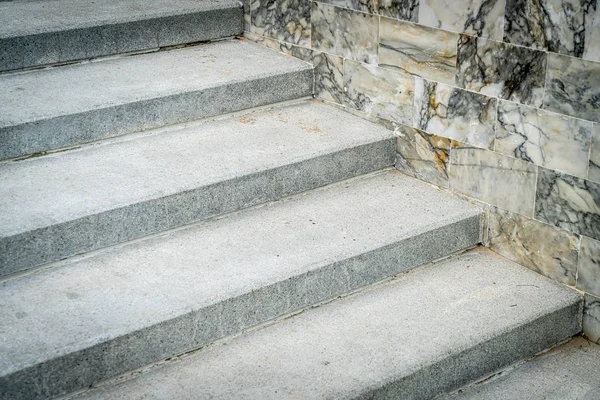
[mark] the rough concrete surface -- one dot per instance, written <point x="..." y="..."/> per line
<point x="68" y="203"/>
<point x="42" y="32"/>
<point x="569" y="372"/>
<point x="139" y="303"/>
<point x="427" y="332"/>
<point x="58" y="107"/>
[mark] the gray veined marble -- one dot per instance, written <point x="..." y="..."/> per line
<point x="543" y="138"/>
<point x="347" y="33"/>
<point x="591" y="318"/>
<point x="422" y="51"/>
<point x="454" y="113"/>
<point x="358" y="5"/>
<point x="561" y="26"/>
<point x="573" y="87"/>
<point x="407" y="10"/>
<point x="594" y="167"/>
<point x="483" y="18"/>
<point x="329" y="77"/>
<point x="502" y="181"/>
<point x="379" y="92"/>
<point x="543" y="248"/>
<point x="284" y="20"/>
<point x="588" y="274"/>
<point x="568" y="202"/>
<point x="422" y="156"/>
<point x="501" y="70"/>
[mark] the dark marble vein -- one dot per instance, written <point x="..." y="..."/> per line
<point x="588" y="276"/>
<point x="284" y="20"/>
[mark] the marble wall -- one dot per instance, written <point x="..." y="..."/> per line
<point x="495" y="100"/>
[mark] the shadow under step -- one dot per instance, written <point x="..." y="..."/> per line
<point x="425" y="333"/>
<point x="66" y="106"/>
<point x="89" y="319"/>
<point x="40" y="32"/>
<point x="73" y="202"/>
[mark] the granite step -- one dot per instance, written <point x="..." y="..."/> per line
<point x="422" y="334"/>
<point x="568" y="372"/>
<point x="72" y="202"/>
<point x="41" y="32"/>
<point x="70" y="105"/>
<point x="90" y="318"/>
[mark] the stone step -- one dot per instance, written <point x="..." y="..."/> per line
<point x="40" y="32"/>
<point x="60" y="107"/>
<point x="426" y="333"/>
<point x="73" y="202"/>
<point x="569" y="372"/>
<point x="85" y="320"/>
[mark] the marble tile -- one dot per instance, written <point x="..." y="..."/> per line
<point x="568" y="202"/>
<point x="594" y="167"/>
<point x="329" y="77"/>
<point x="573" y="87"/>
<point x="591" y="318"/>
<point x="501" y="70"/>
<point x="425" y="52"/>
<point x="588" y="274"/>
<point x="591" y="52"/>
<point x="299" y="52"/>
<point x="422" y="156"/>
<point x="454" y="113"/>
<point x="560" y="26"/>
<point x="483" y="18"/>
<point x="543" y="248"/>
<point x="501" y="181"/>
<point x="284" y="20"/>
<point x="407" y="10"/>
<point x="379" y="92"/>
<point x="543" y="138"/>
<point x="358" y="5"/>
<point x="264" y="41"/>
<point x="343" y="32"/>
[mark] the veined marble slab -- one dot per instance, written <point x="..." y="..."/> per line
<point x="543" y="138"/>
<point x="568" y="202"/>
<point x="423" y="156"/>
<point x="573" y="87"/>
<point x="594" y="167"/>
<point x="329" y="77"/>
<point x="379" y="92"/>
<point x="454" y="113"/>
<point x="568" y="27"/>
<point x="502" y="181"/>
<point x="483" y="18"/>
<point x="358" y="5"/>
<point x="425" y="52"/>
<point x="588" y="275"/>
<point x="347" y="33"/>
<point x="543" y="248"/>
<point x="501" y="70"/>
<point x="407" y="10"/>
<point x="285" y="20"/>
<point x="591" y="318"/>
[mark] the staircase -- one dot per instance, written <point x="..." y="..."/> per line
<point x="173" y="203"/>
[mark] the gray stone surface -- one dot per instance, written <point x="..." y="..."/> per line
<point x="569" y="372"/>
<point x="67" y="327"/>
<point x="427" y="332"/>
<point x="68" y="203"/>
<point x="53" y="108"/>
<point x="42" y="32"/>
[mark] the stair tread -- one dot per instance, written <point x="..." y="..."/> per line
<point x="65" y="186"/>
<point x="46" y="94"/>
<point x="569" y="372"/>
<point x="353" y="346"/>
<point x="19" y="18"/>
<point x="124" y="289"/>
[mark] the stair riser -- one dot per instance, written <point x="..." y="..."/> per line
<point x="97" y="41"/>
<point x="200" y="327"/>
<point x="481" y="361"/>
<point x="70" y="130"/>
<point x="101" y="230"/>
